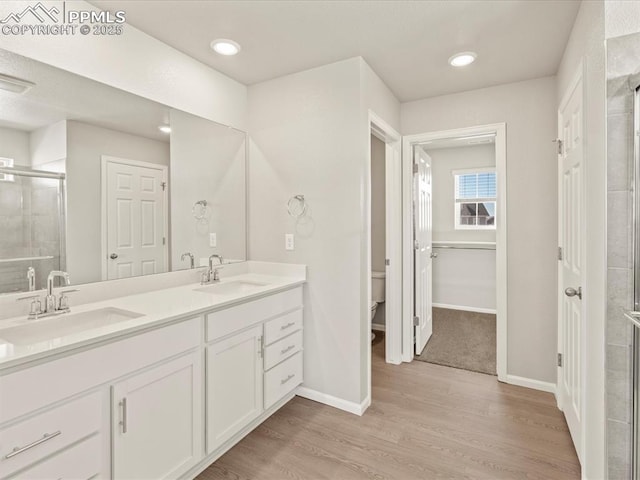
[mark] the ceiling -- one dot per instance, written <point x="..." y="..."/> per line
<point x="407" y="43"/>
<point x="60" y="95"/>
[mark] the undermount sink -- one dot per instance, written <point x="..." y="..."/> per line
<point x="231" y="288"/>
<point x="67" y="324"/>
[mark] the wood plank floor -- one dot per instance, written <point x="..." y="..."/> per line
<point x="426" y="422"/>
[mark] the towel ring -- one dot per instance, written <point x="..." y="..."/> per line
<point x="297" y="206"/>
<point x="200" y="209"/>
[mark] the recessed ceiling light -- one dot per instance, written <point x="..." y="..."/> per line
<point x="164" y="128"/>
<point x="224" y="46"/>
<point x="462" y="59"/>
<point x="14" y="85"/>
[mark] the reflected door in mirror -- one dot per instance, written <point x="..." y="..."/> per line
<point x="136" y="218"/>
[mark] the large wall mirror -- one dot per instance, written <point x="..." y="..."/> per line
<point x="104" y="184"/>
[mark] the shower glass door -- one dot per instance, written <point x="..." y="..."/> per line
<point x="32" y="227"/>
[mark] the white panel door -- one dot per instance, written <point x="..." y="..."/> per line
<point x="135" y="220"/>
<point x="571" y="219"/>
<point x="157" y="421"/>
<point x="234" y="385"/>
<point x="423" y="258"/>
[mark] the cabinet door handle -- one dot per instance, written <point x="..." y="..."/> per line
<point x="123" y="422"/>
<point x="285" y="380"/>
<point x="288" y="325"/>
<point x="45" y="438"/>
<point x="288" y="349"/>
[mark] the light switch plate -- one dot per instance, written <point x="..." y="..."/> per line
<point x="213" y="240"/>
<point x="289" y="242"/>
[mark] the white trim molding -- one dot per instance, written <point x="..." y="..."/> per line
<point x="465" y="308"/>
<point x="335" y="402"/>
<point x="531" y="383"/>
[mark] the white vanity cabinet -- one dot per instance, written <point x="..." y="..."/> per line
<point x="234" y="385"/>
<point x="243" y="369"/>
<point x="157" y="429"/>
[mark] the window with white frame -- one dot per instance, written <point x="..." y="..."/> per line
<point x="475" y="199"/>
<point x="6" y="162"/>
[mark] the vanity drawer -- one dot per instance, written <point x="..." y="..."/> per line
<point x="282" y="379"/>
<point x="282" y="326"/>
<point x="282" y="349"/>
<point x="81" y="462"/>
<point x="236" y="318"/>
<point x="37" y="437"/>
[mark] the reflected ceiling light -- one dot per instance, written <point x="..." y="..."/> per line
<point x="164" y="128"/>
<point x="224" y="46"/>
<point x="15" y="85"/>
<point x="462" y="59"/>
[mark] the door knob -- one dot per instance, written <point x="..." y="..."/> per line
<point x="572" y="292"/>
<point x="434" y="255"/>
<point x="113" y="256"/>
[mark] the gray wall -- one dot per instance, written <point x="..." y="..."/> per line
<point x="378" y="214"/>
<point x="529" y="110"/>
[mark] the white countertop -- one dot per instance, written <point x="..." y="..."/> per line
<point x="156" y="308"/>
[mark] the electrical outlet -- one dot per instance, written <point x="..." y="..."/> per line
<point x="288" y="241"/>
<point x="213" y="240"/>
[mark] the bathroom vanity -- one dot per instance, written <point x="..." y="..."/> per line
<point x="156" y="385"/>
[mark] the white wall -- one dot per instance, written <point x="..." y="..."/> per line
<point x="310" y="135"/>
<point x="444" y="162"/>
<point x="48" y="147"/>
<point x="621" y="17"/>
<point x="207" y="163"/>
<point x="587" y="43"/>
<point x="15" y="144"/>
<point x="529" y="110"/>
<point x="85" y="146"/>
<point x="137" y="63"/>
<point x="378" y="204"/>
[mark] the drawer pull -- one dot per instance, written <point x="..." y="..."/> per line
<point x="123" y="422"/>
<point x="288" y="325"/>
<point x="45" y="438"/>
<point x="285" y="380"/>
<point x="288" y="349"/>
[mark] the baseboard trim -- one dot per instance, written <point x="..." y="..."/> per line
<point x="379" y="327"/>
<point x="465" y="308"/>
<point x="531" y="383"/>
<point x="335" y="402"/>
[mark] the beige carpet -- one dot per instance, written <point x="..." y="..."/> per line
<point x="461" y="339"/>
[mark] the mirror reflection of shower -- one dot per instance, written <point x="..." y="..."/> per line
<point x="32" y="227"/>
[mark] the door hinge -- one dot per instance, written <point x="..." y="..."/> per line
<point x="416" y="245"/>
<point x="164" y="186"/>
<point x="560" y="253"/>
<point x="560" y="145"/>
<point x="164" y="240"/>
<point x="415" y="168"/>
<point x="387" y="262"/>
<point x="559" y="359"/>
<point x="416" y="321"/>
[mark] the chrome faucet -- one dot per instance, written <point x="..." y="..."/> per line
<point x="51" y="307"/>
<point x="212" y="275"/>
<point x="50" y="299"/>
<point x="192" y="263"/>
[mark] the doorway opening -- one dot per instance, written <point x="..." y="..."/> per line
<point x="455" y="196"/>
<point x="454" y="255"/>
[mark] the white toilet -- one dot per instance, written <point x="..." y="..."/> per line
<point x="377" y="293"/>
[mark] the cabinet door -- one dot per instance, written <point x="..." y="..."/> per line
<point x="234" y="385"/>
<point x="157" y="421"/>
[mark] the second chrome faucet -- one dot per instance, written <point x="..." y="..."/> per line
<point x="212" y="275"/>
